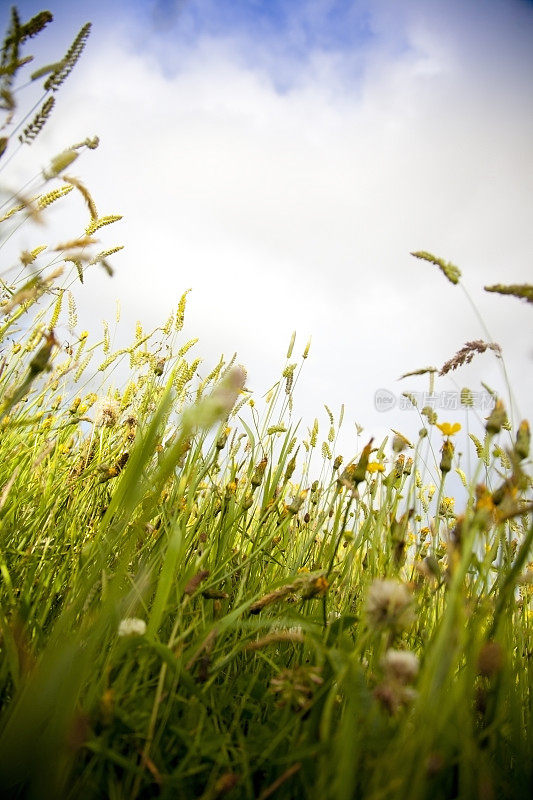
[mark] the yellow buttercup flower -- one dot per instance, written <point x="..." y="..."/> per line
<point x="375" y="466"/>
<point x="449" y="428"/>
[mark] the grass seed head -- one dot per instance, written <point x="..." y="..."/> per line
<point x="451" y="272"/>
<point x="523" y="290"/>
<point x="467" y="353"/>
<point x="56" y="166"/>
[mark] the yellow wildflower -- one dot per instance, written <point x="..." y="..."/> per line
<point x="449" y="428"/>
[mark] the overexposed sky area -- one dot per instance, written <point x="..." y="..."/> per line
<point x="283" y="158"/>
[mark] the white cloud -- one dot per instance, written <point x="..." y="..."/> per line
<point x="297" y="209"/>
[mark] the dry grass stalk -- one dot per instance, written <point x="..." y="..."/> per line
<point x="467" y="353"/>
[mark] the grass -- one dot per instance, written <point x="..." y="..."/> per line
<point x="198" y="601"/>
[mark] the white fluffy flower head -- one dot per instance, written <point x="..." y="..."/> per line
<point x="132" y="627"/>
<point x="389" y="604"/>
<point x="401" y="665"/>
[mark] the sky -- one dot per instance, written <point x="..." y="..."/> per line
<point x="282" y="159"/>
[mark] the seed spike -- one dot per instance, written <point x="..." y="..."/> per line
<point x="452" y="272"/>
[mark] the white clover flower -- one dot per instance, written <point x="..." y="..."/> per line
<point x="132" y="627"/>
<point x="389" y="604"/>
<point x="401" y="665"/>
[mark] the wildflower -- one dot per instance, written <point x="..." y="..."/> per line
<point x="400" y="668"/>
<point x="231" y="488"/>
<point x="389" y="604"/>
<point x="392" y="696"/>
<point x="398" y="468"/>
<point x="131" y="626"/>
<point x="375" y="466"/>
<point x="400" y="665"/>
<point x="447" y="505"/>
<point x="295" y="687"/>
<point x="106" y="413"/>
<point x="448" y="428"/>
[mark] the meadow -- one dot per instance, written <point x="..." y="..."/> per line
<point x="197" y="600"/>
